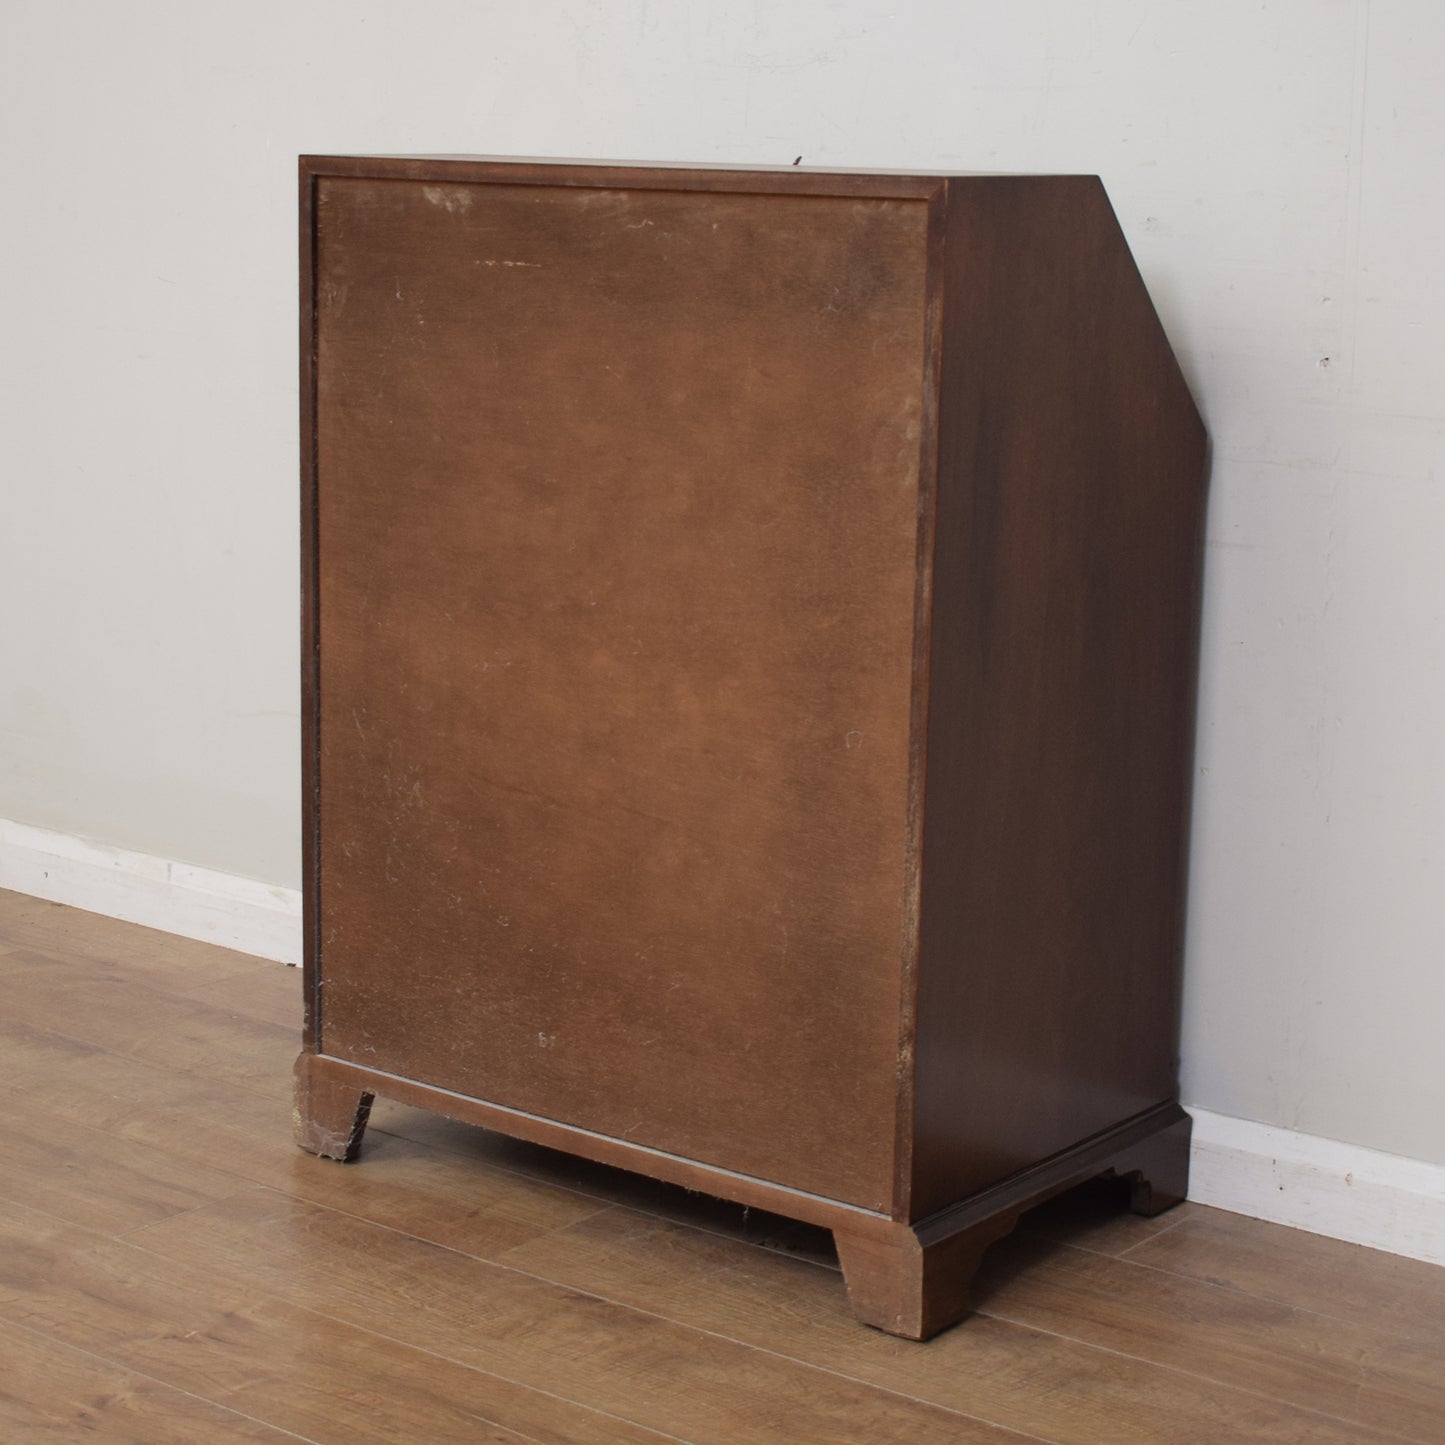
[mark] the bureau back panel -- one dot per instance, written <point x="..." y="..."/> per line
<point x="616" y="526"/>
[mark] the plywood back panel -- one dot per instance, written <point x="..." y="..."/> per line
<point x="616" y="520"/>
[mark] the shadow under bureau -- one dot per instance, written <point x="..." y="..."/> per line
<point x="749" y="648"/>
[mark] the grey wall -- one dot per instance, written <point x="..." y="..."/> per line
<point x="1277" y="169"/>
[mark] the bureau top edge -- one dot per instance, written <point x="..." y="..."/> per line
<point x="667" y="175"/>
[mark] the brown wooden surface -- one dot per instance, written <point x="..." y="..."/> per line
<point x="617" y="523"/>
<point x="638" y="175"/>
<point x="1061" y="692"/>
<point x="172" y="1268"/>
<point x="50" y="1391"/>
<point x="914" y="1280"/>
<point x="334" y="1099"/>
<point x="751" y="626"/>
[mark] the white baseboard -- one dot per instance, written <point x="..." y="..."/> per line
<point x="219" y="908"/>
<point x="1340" y="1190"/>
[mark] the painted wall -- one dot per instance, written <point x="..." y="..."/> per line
<point x="1277" y="168"/>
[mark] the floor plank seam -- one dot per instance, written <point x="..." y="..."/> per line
<point x="260" y="1184"/>
<point x="267" y="1294"/>
<point x="262" y="966"/>
<point x="631" y="1308"/>
<point x="1210" y="1379"/>
<point x="140" y="1374"/>
<point x="541" y="1390"/>
<point x="1235" y="1290"/>
<point x="436" y="1354"/>
<point x="123" y="1236"/>
<point x="499" y="1262"/>
<point x="1019" y="1323"/>
<point x="1149" y="1239"/>
<point x="164" y="1070"/>
<point x="811" y="1365"/>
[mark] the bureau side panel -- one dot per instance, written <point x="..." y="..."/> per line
<point x="617" y="516"/>
<point x="1063" y="658"/>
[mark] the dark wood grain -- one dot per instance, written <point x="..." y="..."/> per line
<point x="914" y="1279"/>
<point x="1061" y="709"/>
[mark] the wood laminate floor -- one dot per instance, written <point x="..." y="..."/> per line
<point x="173" y="1269"/>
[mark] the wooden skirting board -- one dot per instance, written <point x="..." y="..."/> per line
<point x="1338" y="1190"/>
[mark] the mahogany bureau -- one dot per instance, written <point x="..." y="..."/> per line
<point x="749" y="650"/>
